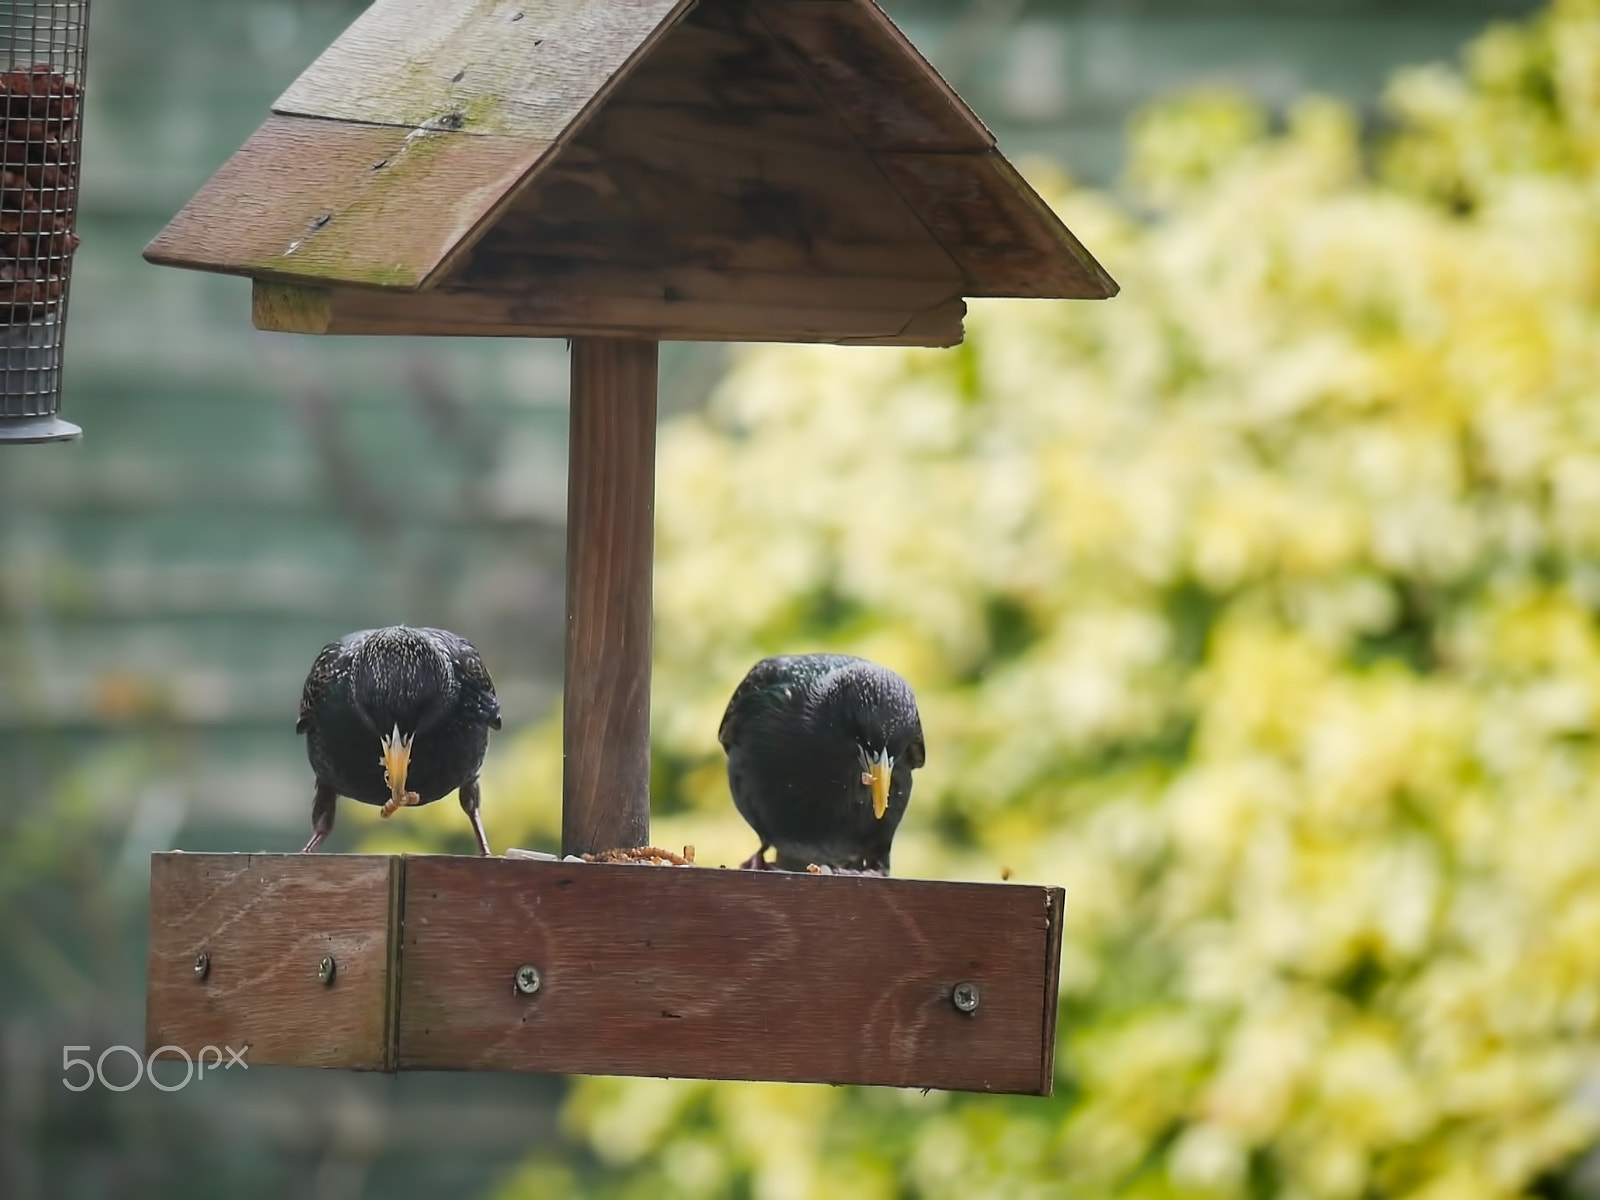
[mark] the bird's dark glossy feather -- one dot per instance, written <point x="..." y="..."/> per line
<point x="796" y="730"/>
<point x="429" y="683"/>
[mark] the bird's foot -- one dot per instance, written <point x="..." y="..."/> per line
<point x="757" y="862"/>
<point x="395" y="803"/>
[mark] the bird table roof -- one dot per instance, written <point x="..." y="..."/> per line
<point x="772" y="170"/>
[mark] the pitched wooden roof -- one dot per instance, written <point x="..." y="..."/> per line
<point x="732" y="169"/>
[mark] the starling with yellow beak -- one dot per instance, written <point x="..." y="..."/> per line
<point x="820" y="753"/>
<point x="397" y="717"/>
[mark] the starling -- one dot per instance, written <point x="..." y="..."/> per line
<point x="820" y="753"/>
<point x="396" y="717"/>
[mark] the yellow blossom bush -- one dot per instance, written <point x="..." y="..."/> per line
<point x="1257" y="606"/>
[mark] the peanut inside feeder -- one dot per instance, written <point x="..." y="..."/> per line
<point x="41" y="141"/>
<point x="38" y="190"/>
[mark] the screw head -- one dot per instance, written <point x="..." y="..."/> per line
<point x="202" y="965"/>
<point x="326" y="970"/>
<point x="527" y="978"/>
<point x="965" y="997"/>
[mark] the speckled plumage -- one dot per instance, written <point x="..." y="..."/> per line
<point x="796" y="731"/>
<point x="430" y="684"/>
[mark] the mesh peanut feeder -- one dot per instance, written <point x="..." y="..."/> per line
<point x="41" y="91"/>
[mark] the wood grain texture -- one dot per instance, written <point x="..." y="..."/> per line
<point x="655" y="195"/>
<point x="291" y="307"/>
<point x="714" y="196"/>
<point x="877" y="82"/>
<point x="611" y="472"/>
<point x="520" y="68"/>
<point x="1055" y="903"/>
<point x="716" y="156"/>
<point x="727" y="975"/>
<point x="448" y="311"/>
<point x="781" y="170"/>
<point x="365" y="204"/>
<point x="266" y="921"/>
<point x="1006" y="239"/>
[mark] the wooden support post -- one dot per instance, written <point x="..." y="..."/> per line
<point x="605" y="800"/>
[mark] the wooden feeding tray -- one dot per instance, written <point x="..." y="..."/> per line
<point x="616" y="172"/>
<point x="375" y="962"/>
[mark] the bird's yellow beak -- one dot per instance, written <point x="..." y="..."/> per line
<point x="396" y="762"/>
<point x="876" y="776"/>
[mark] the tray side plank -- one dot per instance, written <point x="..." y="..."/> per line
<point x="726" y="975"/>
<point x="265" y="923"/>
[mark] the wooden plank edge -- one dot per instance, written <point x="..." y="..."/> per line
<point x="158" y="863"/>
<point x="290" y="307"/>
<point x="393" y="966"/>
<point x="894" y="33"/>
<point x="785" y="48"/>
<point x="1091" y="280"/>
<point x="938" y="328"/>
<point x="1055" y="908"/>
<point x="299" y="308"/>
<point x="982" y="136"/>
<point x="1098" y="275"/>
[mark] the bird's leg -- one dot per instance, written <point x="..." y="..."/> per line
<point x="757" y="861"/>
<point x="322" y="803"/>
<point x="469" y="805"/>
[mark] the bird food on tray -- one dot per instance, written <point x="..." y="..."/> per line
<point x="38" y="188"/>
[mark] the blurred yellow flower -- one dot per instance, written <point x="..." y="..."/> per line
<point x="1260" y="607"/>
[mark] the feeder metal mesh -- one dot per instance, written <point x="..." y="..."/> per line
<point x="41" y="92"/>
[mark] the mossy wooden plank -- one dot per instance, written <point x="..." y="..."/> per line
<point x="364" y="204"/>
<point x="290" y="307"/>
<point x="518" y="68"/>
<point x="886" y="93"/>
<point x="264" y="923"/>
<point x="1005" y="238"/>
<point x="727" y="975"/>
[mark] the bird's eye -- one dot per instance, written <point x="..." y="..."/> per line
<point x="916" y="754"/>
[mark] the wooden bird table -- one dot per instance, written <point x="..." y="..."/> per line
<point x="616" y="172"/>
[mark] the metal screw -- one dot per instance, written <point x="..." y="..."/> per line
<point x="528" y="979"/>
<point x="326" y="969"/>
<point x="965" y="996"/>
<point x="202" y="965"/>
